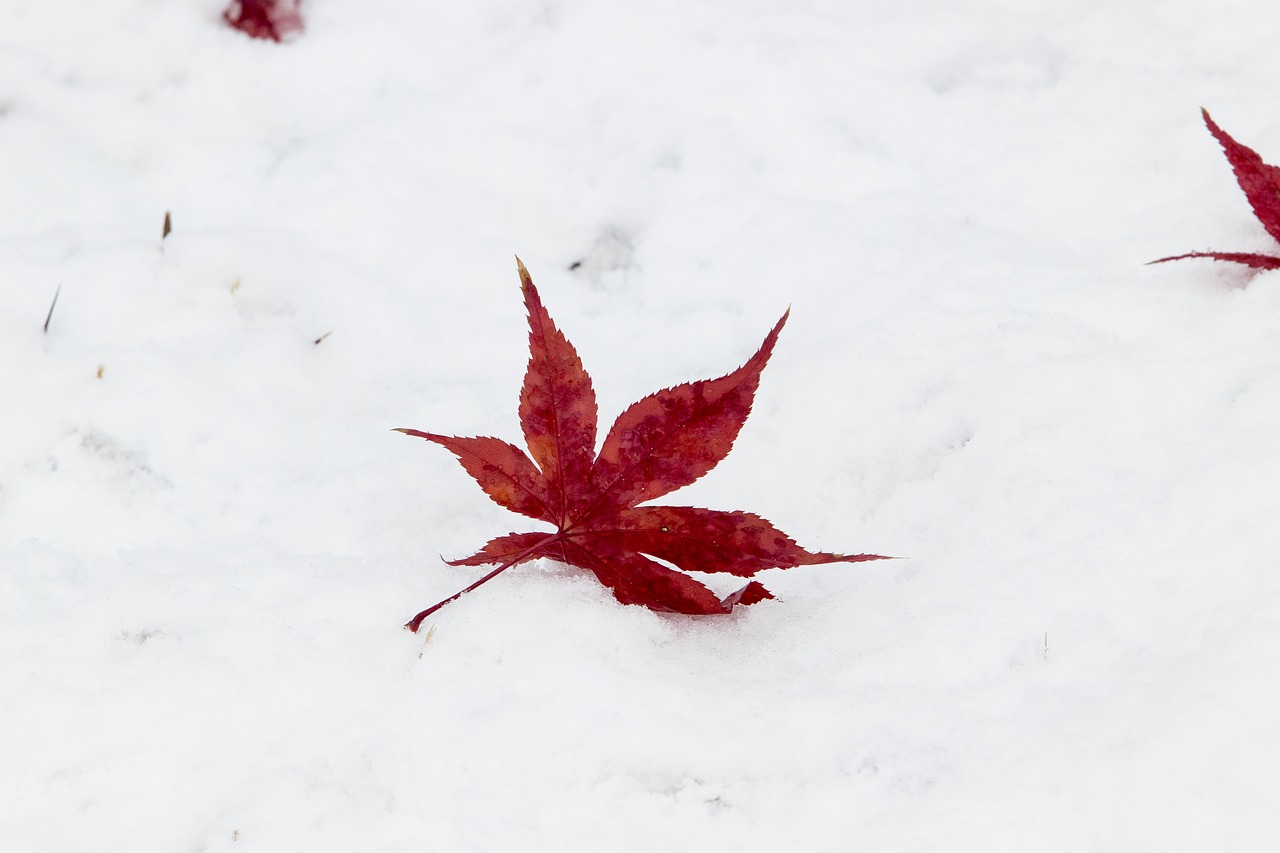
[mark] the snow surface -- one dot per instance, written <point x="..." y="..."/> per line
<point x="211" y="537"/>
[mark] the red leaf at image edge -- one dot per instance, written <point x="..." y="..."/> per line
<point x="1261" y="185"/>
<point x="661" y="443"/>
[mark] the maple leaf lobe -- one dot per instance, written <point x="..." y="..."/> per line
<point x="504" y="548"/>
<point x="501" y="469"/>
<point x="1259" y="181"/>
<point x="673" y="437"/>
<point x="557" y="407"/>
<point x="707" y="540"/>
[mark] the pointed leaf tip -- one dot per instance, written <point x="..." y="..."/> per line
<point x="671" y="438"/>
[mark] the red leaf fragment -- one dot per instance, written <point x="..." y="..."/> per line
<point x="663" y="442"/>
<point x="752" y="593"/>
<point x="1261" y="184"/>
<point x="1249" y="259"/>
<point x="265" y="19"/>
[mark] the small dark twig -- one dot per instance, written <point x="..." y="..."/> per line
<point x="322" y="337"/>
<point x="168" y="226"/>
<point x="49" y="316"/>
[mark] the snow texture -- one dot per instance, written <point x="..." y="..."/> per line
<point x="210" y="537"/>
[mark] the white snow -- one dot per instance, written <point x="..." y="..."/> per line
<point x="210" y="537"/>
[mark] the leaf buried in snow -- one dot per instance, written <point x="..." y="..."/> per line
<point x="665" y="441"/>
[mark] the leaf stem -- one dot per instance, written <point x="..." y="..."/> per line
<point x="416" y="622"/>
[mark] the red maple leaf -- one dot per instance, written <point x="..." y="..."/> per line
<point x="1261" y="185"/>
<point x="663" y="442"/>
<point x="265" y="19"/>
